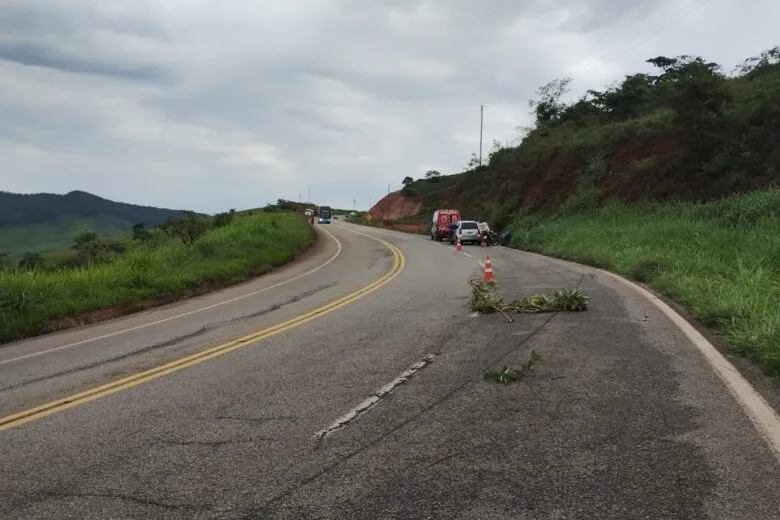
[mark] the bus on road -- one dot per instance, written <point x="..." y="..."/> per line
<point x="324" y="215"/>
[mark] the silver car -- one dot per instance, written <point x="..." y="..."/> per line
<point x="467" y="231"/>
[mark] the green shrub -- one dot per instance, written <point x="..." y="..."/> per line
<point x="29" y="301"/>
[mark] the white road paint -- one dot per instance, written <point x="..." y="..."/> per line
<point x="763" y="416"/>
<point x="184" y="314"/>
<point x="462" y="252"/>
<point x="374" y="399"/>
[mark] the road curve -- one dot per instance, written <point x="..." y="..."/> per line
<point x="374" y="406"/>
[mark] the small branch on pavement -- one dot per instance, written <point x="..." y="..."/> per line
<point x="486" y="299"/>
<point x="508" y="374"/>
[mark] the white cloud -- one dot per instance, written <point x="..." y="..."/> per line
<point x="211" y="105"/>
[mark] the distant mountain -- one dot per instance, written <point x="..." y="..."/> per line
<point x="23" y="209"/>
<point x="44" y="222"/>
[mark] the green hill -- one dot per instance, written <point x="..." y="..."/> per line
<point x="689" y="131"/>
<point x="45" y="222"/>
<point x="669" y="178"/>
<point x="20" y="209"/>
<point x="58" y="233"/>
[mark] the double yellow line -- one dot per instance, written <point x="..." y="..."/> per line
<point x="39" y="412"/>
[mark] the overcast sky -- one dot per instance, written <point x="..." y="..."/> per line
<point x="210" y="105"/>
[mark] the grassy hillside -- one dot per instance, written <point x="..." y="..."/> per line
<point x="688" y="131"/>
<point x="668" y="177"/>
<point x="56" y="234"/>
<point x="192" y="256"/>
<point x="43" y="223"/>
<point x="720" y="261"/>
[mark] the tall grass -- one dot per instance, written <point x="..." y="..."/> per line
<point x="720" y="261"/>
<point x="30" y="301"/>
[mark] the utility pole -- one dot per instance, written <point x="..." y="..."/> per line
<point x="481" y="112"/>
<point x="309" y="195"/>
<point x="354" y="203"/>
<point x="388" y="189"/>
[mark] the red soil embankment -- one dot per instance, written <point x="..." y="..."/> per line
<point x="395" y="206"/>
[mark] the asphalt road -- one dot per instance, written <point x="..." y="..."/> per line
<point x="623" y="418"/>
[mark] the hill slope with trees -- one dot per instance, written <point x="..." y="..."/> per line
<point x="21" y="209"/>
<point x="44" y="222"/>
<point x="689" y="131"/>
<point x="669" y="178"/>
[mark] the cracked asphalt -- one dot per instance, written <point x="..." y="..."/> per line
<point x="622" y="418"/>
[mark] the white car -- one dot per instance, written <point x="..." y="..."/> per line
<point x="467" y="231"/>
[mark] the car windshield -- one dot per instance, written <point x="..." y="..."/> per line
<point x="469" y="225"/>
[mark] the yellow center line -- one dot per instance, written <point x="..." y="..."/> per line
<point x="59" y="405"/>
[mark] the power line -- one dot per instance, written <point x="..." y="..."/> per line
<point x="692" y="7"/>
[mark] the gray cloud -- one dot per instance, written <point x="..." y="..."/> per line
<point x="38" y="56"/>
<point x="233" y="104"/>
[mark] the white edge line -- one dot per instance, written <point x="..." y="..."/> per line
<point x="371" y="401"/>
<point x="764" y="417"/>
<point x="183" y="315"/>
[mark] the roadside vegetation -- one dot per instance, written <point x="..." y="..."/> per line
<point x="182" y="257"/>
<point x="669" y="176"/>
<point x="485" y="299"/>
<point x="720" y="261"/>
<point x="44" y="222"/>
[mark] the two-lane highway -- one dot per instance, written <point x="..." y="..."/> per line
<point x="349" y="384"/>
<point x="40" y="368"/>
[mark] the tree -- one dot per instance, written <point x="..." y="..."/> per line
<point x="89" y="248"/>
<point x="432" y="175"/>
<point x="140" y="233"/>
<point x="473" y="162"/>
<point x="549" y="108"/>
<point x="187" y="229"/>
<point x="629" y="99"/>
<point x="697" y="91"/>
<point x="223" y="219"/>
<point x="497" y="152"/>
<point x="31" y="261"/>
<point x="758" y="65"/>
<point x="4" y="260"/>
<point x="407" y="181"/>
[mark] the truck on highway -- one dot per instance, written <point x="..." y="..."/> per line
<point x="442" y="218"/>
<point x="324" y="215"/>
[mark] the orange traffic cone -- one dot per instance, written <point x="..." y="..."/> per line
<point x="459" y="247"/>
<point x="488" y="270"/>
<point x="483" y="242"/>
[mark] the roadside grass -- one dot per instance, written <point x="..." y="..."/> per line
<point x="53" y="236"/>
<point x="30" y="301"/>
<point x="720" y="261"/>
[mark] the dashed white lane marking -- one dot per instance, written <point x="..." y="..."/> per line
<point x="764" y="418"/>
<point x="462" y="252"/>
<point x="374" y="399"/>
<point x="184" y="314"/>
